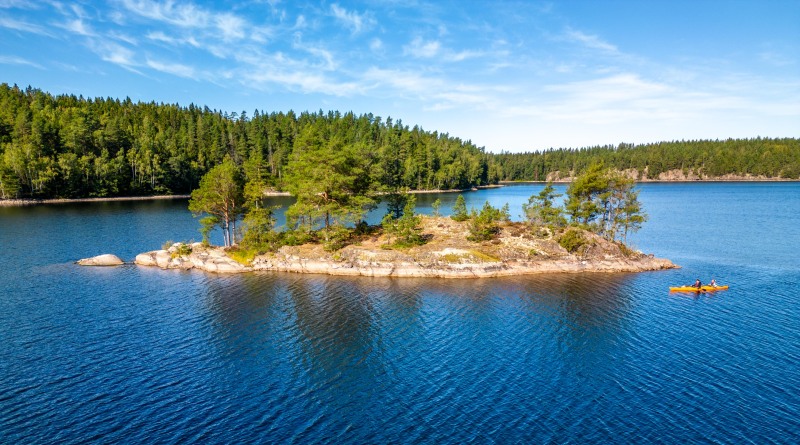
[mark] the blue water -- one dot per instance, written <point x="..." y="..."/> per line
<point x="141" y="355"/>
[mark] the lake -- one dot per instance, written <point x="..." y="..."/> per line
<point x="143" y="355"/>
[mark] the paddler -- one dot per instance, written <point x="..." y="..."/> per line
<point x="698" y="284"/>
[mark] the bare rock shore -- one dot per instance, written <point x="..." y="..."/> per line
<point x="447" y="255"/>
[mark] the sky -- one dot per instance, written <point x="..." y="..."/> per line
<point x="507" y="75"/>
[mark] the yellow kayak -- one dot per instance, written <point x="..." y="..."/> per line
<point x="697" y="289"/>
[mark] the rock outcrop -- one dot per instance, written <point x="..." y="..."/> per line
<point x="101" y="260"/>
<point x="447" y="255"/>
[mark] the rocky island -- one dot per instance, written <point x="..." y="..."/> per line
<point x="446" y="254"/>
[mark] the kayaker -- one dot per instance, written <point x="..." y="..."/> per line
<point x="698" y="284"/>
<point x="713" y="283"/>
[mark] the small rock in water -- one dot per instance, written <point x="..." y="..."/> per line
<point x="101" y="260"/>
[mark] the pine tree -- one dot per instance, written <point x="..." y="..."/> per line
<point x="220" y="195"/>
<point x="460" y="209"/>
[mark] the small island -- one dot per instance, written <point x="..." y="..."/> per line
<point x="448" y="253"/>
<point x="585" y="234"/>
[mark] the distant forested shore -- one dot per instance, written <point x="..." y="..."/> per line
<point x="67" y="146"/>
<point x="731" y="159"/>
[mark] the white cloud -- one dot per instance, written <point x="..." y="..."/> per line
<point x="183" y="14"/>
<point x="351" y="19"/>
<point x="231" y="26"/>
<point x="18" y="25"/>
<point x="376" y="45"/>
<point x="303" y="80"/>
<point x="114" y="53"/>
<point x="14" y="60"/>
<point x="123" y="37"/>
<point x="422" y="49"/>
<point x="590" y="41"/>
<point x="21" y="4"/>
<point x="175" y="69"/>
<point x="435" y="93"/>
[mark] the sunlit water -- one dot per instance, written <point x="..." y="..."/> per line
<point x="141" y="355"/>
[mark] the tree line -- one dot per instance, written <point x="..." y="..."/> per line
<point x="332" y="201"/>
<point x="772" y="158"/>
<point x="68" y="147"/>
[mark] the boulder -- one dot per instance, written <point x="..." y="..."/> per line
<point x="101" y="260"/>
<point x="146" y="259"/>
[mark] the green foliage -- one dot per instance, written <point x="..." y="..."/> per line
<point x="406" y="230"/>
<point x="326" y="177"/>
<point x="541" y="211"/>
<point x="71" y="147"/>
<point x="436" y="206"/>
<point x="207" y="224"/>
<point x="505" y="213"/>
<point x="585" y="195"/>
<point x="460" y="210"/>
<point x="293" y="237"/>
<point x="242" y="255"/>
<point x="759" y="156"/>
<point x="259" y="230"/>
<point x="484" y="226"/>
<point x="604" y="201"/>
<point x="220" y="194"/>
<point x="395" y="202"/>
<point x="572" y="240"/>
<point x="337" y="237"/>
<point x="182" y="249"/>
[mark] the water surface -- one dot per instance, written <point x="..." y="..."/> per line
<point x="141" y="355"/>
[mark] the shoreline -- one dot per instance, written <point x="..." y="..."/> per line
<point x="447" y="254"/>
<point x="215" y="260"/>
<point x="33" y="202"/>
<point x="661" y="181"/>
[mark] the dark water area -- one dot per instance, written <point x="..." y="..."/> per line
<point x="141" y="355"/>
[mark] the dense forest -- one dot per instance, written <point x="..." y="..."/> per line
<point x="771" y="158"/>
<point x="66" y="146"/>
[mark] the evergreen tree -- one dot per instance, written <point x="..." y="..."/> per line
<point x="325" y="177"/>
<point x="436" y="206"/>
<point x="460" y="209"/>
<point x="484" y="225"/>
<point x="540" y="209"/>
<point x="220" y="195"/>
<point x="405" y="229"/>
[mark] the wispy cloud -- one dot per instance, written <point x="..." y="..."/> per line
<point x="422" y="49"/>
<point x="622" y="98"/>
<point x="19" y="25"/>
<point x="14" y="60"/>
<point x="115" y="53"/>
<point x="22" y="4"/>
<point x="351" y="19"/>
<point x="77" y="26"/>
<point x="158" y="36"/>
<point x="428" y="49"/>
<point x="175" y="69"/>
<point x="184" y="14"/>
<point x="230" y="27"/>
<point x="436" y="93"/>
<point x="299" y="80"/>
<point x="777" y="59"/>
<point x="589" y="41"/>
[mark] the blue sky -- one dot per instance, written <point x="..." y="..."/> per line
<point x="514" y="76"/>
